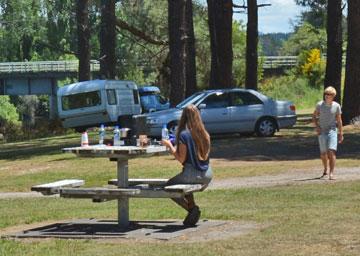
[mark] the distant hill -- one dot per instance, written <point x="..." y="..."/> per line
<point x="271" y="43"/>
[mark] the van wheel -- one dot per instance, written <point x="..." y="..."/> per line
<point x="172" y="127"/>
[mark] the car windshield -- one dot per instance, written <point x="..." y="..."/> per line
<point x="193" y="99"/>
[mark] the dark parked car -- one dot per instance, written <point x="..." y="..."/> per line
<point x="230" y="111"/>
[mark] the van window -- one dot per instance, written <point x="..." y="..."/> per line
<point x="136" y="96"/>
<point x="111" y="97"/>
<point x="81" y="100"/>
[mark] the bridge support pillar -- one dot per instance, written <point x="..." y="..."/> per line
<point x="2" y="86"/>
<point x="53" y="100"/>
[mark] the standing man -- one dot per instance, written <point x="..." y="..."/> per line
<point x="327" y="120"/>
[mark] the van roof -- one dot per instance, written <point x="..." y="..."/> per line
<point x="149" y="89"/>
<point x="91" y="85"/>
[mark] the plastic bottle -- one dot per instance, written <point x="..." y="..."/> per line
<point x="164" y="133"/>
<point x="84" y="139"/>
<point x="172" y="139"/>
<point x="101" y="134"/>
<point x="116" y="136"/>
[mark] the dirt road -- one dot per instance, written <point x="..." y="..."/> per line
<point x="288" y="178"/>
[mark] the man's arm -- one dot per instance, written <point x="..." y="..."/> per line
<point x="340" y="127"/>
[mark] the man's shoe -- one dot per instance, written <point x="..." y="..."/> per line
<point x="193" y="217"/>
<point x="324" y="176"/>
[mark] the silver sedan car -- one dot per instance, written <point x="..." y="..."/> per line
<point x="229" y="111"/>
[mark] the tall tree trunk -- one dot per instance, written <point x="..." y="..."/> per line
<point x="351" y="101"/>
<point x="26" y="45"/>
<point x="182" y="50"/>
<point x="190" y="87"/>
<point x="176" y="10"/>
<point x="251" y="46"/>
<point x="83" y="39"/>
<point x="220" y="28"/>
<point x="108" y="39"/>
<point x="334" y="47"/>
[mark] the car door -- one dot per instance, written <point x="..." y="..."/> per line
<point x="215" y="114"/>
<point x="245" y="109"/>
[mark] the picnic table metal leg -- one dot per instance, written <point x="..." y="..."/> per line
<point x="123" y="203"/>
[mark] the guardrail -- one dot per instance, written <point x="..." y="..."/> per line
<point x="73" y="65"/>
<point x="45" y="66"/>
<point x="279" y="61"/>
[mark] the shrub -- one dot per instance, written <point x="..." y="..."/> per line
<point x="312" y="67"/>
<point x="295" y="89"/>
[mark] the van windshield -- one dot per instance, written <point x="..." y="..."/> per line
<point x="81" y="100"/>
<point x="148" y="93"/>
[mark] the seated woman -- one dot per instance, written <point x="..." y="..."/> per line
<point x="192" y="149"/>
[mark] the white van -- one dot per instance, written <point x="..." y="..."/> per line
<point x="91" y="103"/>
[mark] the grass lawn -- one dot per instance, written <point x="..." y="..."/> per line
<point x="298" y="220"/>
<point x="311" y="219"/>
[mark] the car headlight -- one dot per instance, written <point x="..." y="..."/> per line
<point x="153" y="121"/>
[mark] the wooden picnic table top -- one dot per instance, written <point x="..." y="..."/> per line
<point x="115" y="151"/>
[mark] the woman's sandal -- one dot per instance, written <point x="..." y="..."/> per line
<point x="331" y="177"/>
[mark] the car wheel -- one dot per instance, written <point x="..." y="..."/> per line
<point x="266" y="127"/>
<point x="172" y="127"/>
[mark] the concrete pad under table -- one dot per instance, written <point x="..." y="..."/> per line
<point x="104" y="229"/>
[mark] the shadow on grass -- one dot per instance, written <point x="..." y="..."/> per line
<point x="298" y="143"/>
<point x="298" y="146"/>
<point x="26" y="152"/>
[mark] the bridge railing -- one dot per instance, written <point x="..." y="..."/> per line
<point x="45" y="66"/>
<point x="270" y="62"/>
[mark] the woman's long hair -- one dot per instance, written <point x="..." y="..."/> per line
<point x="191" y="120"/>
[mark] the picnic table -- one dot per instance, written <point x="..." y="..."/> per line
<point x="125" y="187"/>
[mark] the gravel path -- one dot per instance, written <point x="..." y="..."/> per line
<point x="288" y="178"/>
<point x="7" y="195"/>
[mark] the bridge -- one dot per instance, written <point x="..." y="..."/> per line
<point x="64" y="68"/>
<point x="274" y="62"/>
<point x="68" y="68"/>
<point x="38" y="77"/>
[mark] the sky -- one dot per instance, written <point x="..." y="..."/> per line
<point x="274" y="18"/>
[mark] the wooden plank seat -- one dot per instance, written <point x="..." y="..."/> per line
<point x="160" y="183"/>
<point x="54" y="187"/>
<point x="134" y="182"/>
<point x="106" y="194"/>
<point x="98" y="193"/>
<point x="173" y="191"/>
<point x="184" y="188"/>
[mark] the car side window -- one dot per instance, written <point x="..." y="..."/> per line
<point x="217" y="101"/>
<point x="244" y="98"/>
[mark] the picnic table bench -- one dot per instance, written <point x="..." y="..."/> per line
<point x="71" y="189"/>
<point x="125" y="188"/>
<point x="54" y="187"/>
